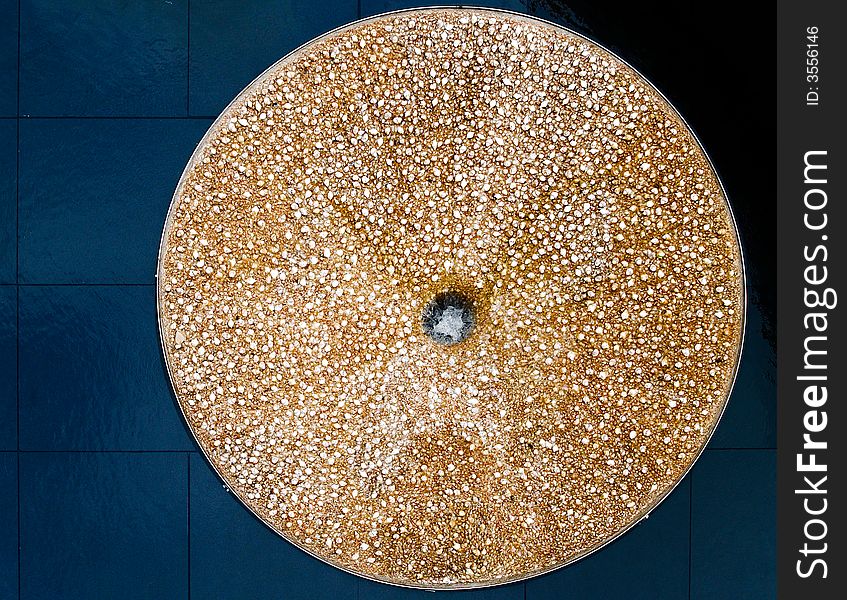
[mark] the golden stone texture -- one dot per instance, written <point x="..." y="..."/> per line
<point x="443" y="150"/>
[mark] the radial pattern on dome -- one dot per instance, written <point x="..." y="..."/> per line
<point x="476" y="157"/>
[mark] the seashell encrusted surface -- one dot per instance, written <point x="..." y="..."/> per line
<point x="466" y="152"/>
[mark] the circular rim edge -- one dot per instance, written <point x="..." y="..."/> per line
<point x="645" y="513"/>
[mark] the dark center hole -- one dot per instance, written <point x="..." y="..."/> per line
<point x="448" y="318"/>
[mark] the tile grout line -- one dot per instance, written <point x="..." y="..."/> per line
<point x="60" y="451"/>
<point x="188" y="505"/>
<point x="18" y="419"/>
<point x="18" y="158"/>
<point x="188" y="63"/>
<point x="690" y="520"/>
<point x="86" y="284"/>
<point x="18" y="454"/>
<point x="18" y="290"/>
<point x="18" y="389"/>
<point x="114" y="117"/>
<point x="757" y="449"/>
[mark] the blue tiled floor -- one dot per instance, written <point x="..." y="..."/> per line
<point x="107" y="387"/>
<point x="8" y="368"/>
<point x="266" y="566"/>
<point x="104" y="525"/>
<point x="222" y="64"/>
<point x="103" y="57"/>
<point x="648" y="562"/>
<point x="750" y="419"/>
<point x="115" y="500"/>
<point x="8" y="525"/>
<point x="8" y="172"/>
<point x="103" y="225"/>
<point x="733" y="535"/>
<point x="8" y="58"/>
<point x="374" y="7"/>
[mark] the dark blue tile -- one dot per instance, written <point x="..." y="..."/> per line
<point x="94" y="194"/>
<point x="566" y="14"/>
<point x="733" y="536"/>
<point x="97" y="525"/>
<point x="224" y="58"/>
<point x="8" y="199"/>
<point x="103" y="57"/>
<point x="650" y="561"/>
<point x="8" y="368"/>
<point x="374" y="7"/>
<point x="234" y="555"/>
<point x="750" y="417"/>
<point x="92" y="375"/>
<point x="8" y="58"/>
<point x="370" y="590"/>
<point x="8" y="525"/>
